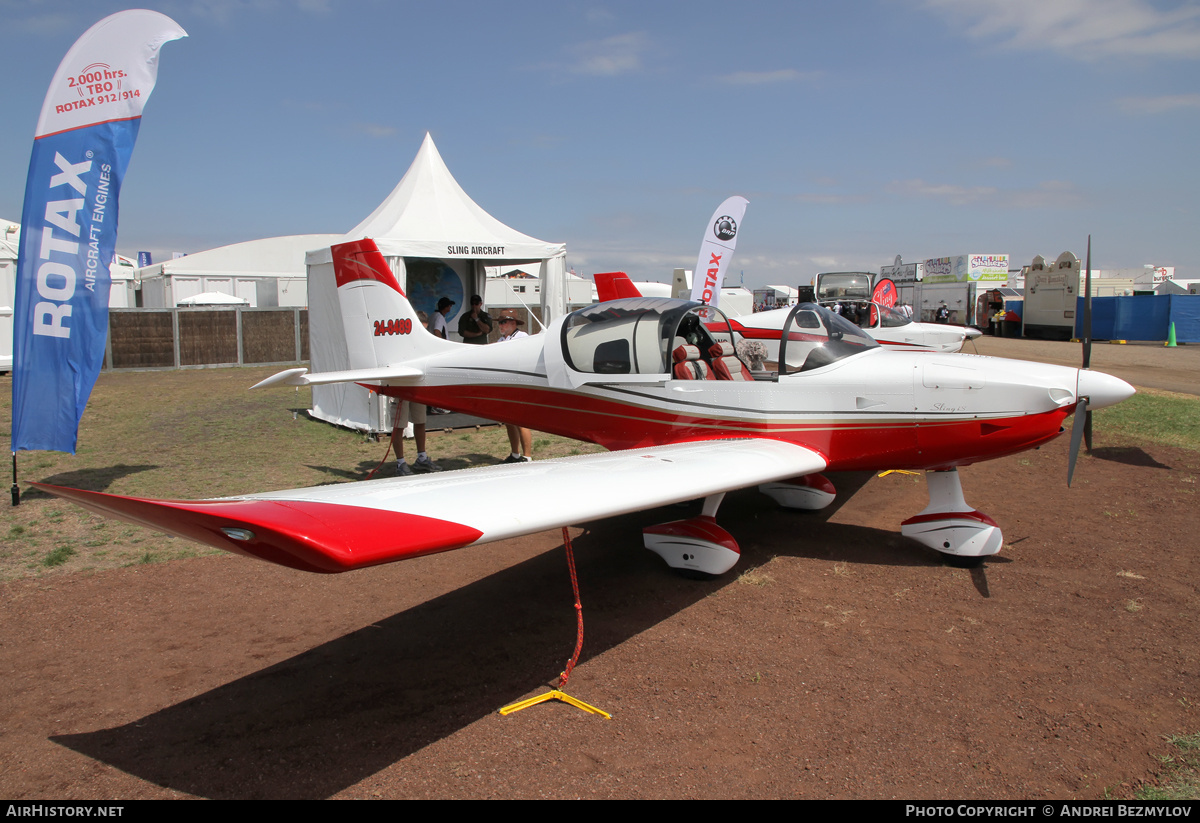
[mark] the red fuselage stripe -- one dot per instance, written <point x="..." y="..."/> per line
<point x="847" y="445"/>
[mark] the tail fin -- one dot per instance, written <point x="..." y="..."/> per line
<point x="381" y="326"/>
<point x="611" y="285"/>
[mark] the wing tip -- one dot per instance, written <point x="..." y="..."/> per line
<point x="300" y="534"/>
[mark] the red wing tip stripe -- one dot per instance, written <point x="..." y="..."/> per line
<point x="301" y="534"/>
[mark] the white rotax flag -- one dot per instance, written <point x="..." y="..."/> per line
<point x="720" y="239"/>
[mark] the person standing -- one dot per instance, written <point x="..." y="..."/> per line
<point x="475" y="326"/>
<point x="407" y="411"/>
<point x="438" y="327"/>
<point x="520" y="440"/>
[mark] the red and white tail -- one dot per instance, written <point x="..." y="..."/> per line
<point x="381" y="327"/>
<point x="613" y="285"/>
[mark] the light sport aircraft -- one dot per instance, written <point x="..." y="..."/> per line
<point x="891" y="329"/>
<point x="656" y="381"/>
<point x="886" y="325"/>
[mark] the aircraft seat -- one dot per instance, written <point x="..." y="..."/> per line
<point x="726" y="364"/>
<point x="689" y="365"/>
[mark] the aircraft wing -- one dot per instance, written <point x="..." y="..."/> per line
<point x="351" y="525"/>
<point x="301" y="377"/>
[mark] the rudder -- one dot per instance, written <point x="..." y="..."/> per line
<point x="381" y="327"/>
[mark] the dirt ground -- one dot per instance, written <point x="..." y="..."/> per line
<point x="844" y="662"/>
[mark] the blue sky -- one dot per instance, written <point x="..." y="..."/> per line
<point x="858" y="130"/>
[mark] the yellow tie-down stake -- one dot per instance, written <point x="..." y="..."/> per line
<point x="554" y="694"/>
<point x="895" y="471"/>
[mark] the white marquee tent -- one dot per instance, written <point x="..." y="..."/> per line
<point x="266" y="272"/>
<point x="438" y="242"/>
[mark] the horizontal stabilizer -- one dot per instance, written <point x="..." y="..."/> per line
<point x="387" y="375"/>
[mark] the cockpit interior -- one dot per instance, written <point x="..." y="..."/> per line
<point x="685" y="340"/>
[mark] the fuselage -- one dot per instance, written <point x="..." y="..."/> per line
<point x="874" y="409"/>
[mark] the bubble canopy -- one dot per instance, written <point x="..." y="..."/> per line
<point x="636" y="336"/>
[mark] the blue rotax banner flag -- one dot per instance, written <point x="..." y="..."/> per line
<point x="85" y="136"/>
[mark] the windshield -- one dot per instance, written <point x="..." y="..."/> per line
<point x="813" y="337"/>
<point x="867" y="315"/>
<point x="844" y="284"/>
<point x="890" y="318"/>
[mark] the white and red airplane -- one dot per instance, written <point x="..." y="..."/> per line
<point x="656" y="381"/>
<point x="888" y="326"/>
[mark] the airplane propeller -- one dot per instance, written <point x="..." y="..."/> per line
<point x="1081" y="428"/>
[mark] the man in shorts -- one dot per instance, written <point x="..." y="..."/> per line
<point x="520" y="440"/>
<point x="406" y="412"/>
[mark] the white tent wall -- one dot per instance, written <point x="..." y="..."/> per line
<point x="438" y="242"/>
<point x="8" y="290"/>
<point x="268" y="272"/>
<point x="554" y="288"/>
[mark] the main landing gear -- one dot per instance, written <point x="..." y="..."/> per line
<point x="697" y="546"/>
<point x="948" y="525"/>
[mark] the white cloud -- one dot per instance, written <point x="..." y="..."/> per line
<point x="1158" y="105"/>
<point x="955" y="195"/>
<point x="1047" y="194"/>
<point x="759" y="78"/>
<point x="620" y="54"/>
<point x="375" y="129"/>
<point x="1084" y="29"/>
<point x="829" y="199"/>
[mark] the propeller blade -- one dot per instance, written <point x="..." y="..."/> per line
<point x="1082" y="415"/>
<point x="1087" y="311"/>
<point x="1087" y="431"/>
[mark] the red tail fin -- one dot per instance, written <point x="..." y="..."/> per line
<point x="613" y="285"/>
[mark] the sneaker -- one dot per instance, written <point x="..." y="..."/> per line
<point x="403" y="469"/>
<point x="514" y="458"/>
<point x="424" y="464"/>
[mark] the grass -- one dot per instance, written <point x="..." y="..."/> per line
<point x="193" y="434"/>
<point x="758" y="576"/>
<point x="1180" y="779"/>
<point x="1155" y="417"/>
<point x="56" y="557"/>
